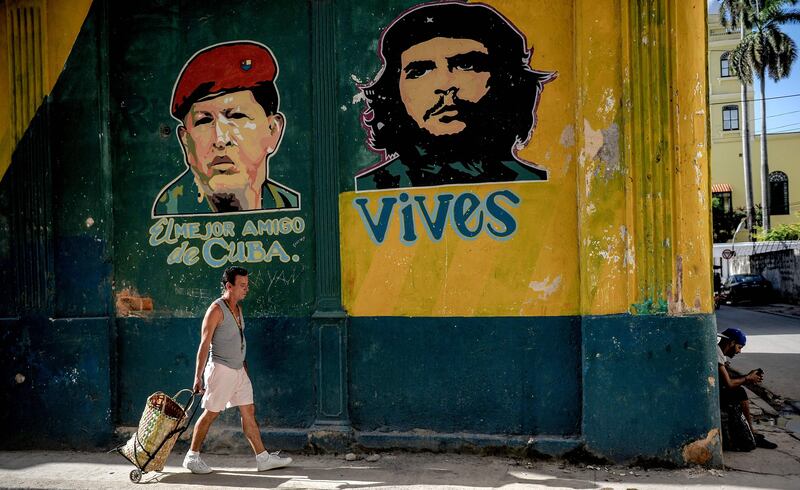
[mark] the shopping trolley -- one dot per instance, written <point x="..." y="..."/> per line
<point x="163" y="421"/>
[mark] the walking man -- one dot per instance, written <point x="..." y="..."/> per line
<point x="227" y="383"/>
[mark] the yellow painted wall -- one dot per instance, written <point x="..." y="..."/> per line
<point x="623" y="223"/>
<point x="6" y="145"/>
<point x="532" y="273"/>
<point x="63" y="21"/>
<point x="784" y="156"/>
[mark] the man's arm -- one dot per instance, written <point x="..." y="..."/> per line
<point x="753" y="377"/>
<point x="244" y="362"/>
<point x="210" y="322"/>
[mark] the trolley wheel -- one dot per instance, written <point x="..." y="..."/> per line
<point x="136" y="476"/>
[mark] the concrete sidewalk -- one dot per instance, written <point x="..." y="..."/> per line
<point x="779" y="469"/>
<point x="782" y="309"/>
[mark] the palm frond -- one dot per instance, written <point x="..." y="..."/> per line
<point x="765" y="49"/>
<point x="787" y="17"/>
<point x="741" y="60"/>
<point x="734" y="14"/>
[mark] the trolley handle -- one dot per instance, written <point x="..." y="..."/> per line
<point x="180" y="429"/>
<point x="191" y="399"/>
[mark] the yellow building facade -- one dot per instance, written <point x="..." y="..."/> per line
<point x="725" y="115"/>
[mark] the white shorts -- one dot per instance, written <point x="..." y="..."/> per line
<point x="226" y="388"/>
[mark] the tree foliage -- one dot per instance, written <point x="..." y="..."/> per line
<point x="724" y="223"/>
<point x="731" y="15"/>
<point x="781" y="233"/>
<point x="765" y="48"/>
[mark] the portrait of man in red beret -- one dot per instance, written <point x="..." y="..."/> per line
<point x="454" y="100"/>
<point x="229" y="125"/>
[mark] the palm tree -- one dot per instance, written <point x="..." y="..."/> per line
<point x="731" y="15"/>
<point x="765" y="50"/>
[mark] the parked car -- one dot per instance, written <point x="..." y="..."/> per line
<point x="746" y="287"/>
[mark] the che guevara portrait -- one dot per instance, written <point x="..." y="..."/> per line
<point x="454" y="100"/>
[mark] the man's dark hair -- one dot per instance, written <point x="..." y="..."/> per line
<point x="514" y="87"/>
<point x="230" y="274"/>
<point x="265" y="93"/>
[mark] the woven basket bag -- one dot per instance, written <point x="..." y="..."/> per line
<point x="159" y="429"/>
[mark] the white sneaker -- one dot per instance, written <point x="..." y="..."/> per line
<point x="196" y="465"/>
<point x="270" y="461"/>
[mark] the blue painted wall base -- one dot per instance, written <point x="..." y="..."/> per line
<point x="58" y="385"/>
<point x="649" y="386"/>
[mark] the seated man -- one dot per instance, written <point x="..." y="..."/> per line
<point x="731" y="390"/>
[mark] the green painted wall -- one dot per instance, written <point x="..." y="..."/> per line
<point x="148" y="45"/>
<point x="58" y="352"/>
<point x="653" y="375"/>
<point x="58" y="383"/>
<point x="280" y="360"/>
<point x="480" y="375"/>
<point x="623" y="387"/>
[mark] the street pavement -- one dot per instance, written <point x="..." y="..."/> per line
<point x="773" y="344"/>
<point x="70" y="470"/>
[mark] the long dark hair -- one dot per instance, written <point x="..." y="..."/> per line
<point x="514" y="87"/>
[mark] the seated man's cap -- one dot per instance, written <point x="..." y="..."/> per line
<point x="734" y="334"/>
<point x="228" y="67"/>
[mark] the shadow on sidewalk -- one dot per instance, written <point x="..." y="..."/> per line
<point x="222" y="478"/>
<point x="40" y="469"/>
<point x="782" y="309"/>
<point x="359" y="477"/>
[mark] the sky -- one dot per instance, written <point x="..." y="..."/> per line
<point x="783" y="114"/>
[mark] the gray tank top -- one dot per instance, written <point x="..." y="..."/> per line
<point x="228" y="346"/>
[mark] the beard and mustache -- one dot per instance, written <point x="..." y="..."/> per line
<point x="486" y="135"/>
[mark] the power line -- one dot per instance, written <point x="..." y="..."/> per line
<point x="777" y="115"/>
<point x="784" y="126"/>
<point x="754" y="100"/>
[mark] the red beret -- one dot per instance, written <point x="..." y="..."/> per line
<point x="228" y="67"/>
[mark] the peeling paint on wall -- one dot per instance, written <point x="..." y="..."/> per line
<point x="676" y="304"/>
<point x="702" y="451"/>
<point x="602" y="145"/>
<point x="567" y="139"/>
<point x="609" y="106"/>
<point x="546" y="287"/>
<point x="609" y="152"/>
<point x="129" y="303"/>
<point x="629" y="259"/>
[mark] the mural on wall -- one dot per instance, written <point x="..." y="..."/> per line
<point x="227" y="106"/>
<point x="466" y="211"/>
<point x="454" y="101"/>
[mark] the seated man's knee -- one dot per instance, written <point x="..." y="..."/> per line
<point x="732" y="396"/>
